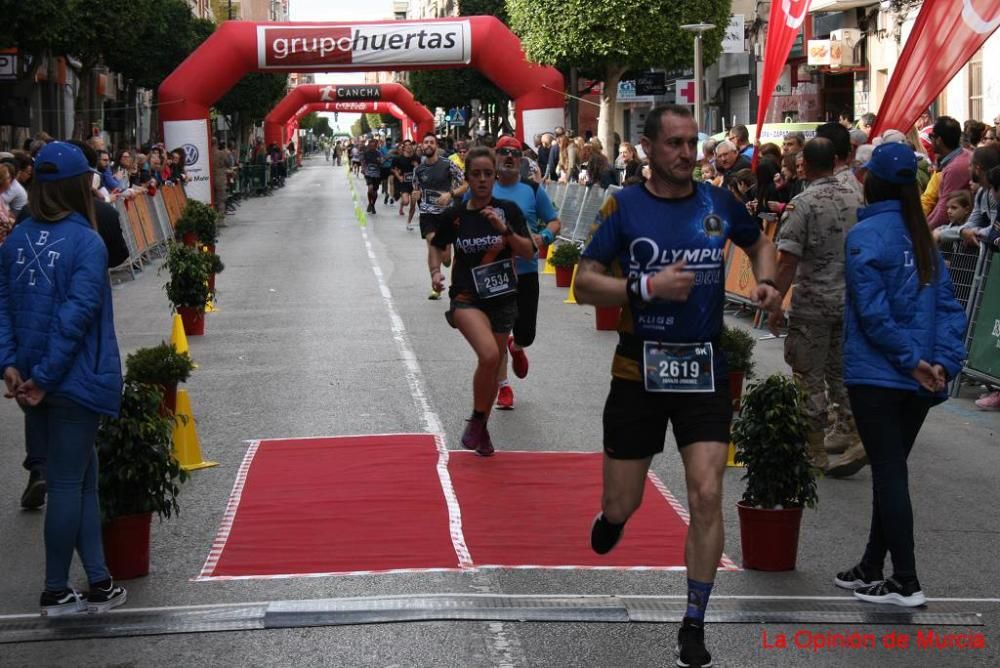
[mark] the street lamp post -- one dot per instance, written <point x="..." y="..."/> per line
<point x="699" y="74"/>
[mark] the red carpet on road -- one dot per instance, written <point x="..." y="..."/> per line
<point x="522" y="509"/>
<point x="358" y="504"/>
<point x="334" y="505"/>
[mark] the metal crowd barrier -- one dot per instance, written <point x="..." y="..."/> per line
<point x="147" y="224"/>
<point x="982" y="339"/>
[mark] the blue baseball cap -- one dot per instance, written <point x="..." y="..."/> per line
<point x="895" y="163"/>
<point x="68" y="160"/>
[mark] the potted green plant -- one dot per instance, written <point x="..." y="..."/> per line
<point x="564" y="257"/>
<point x="163" y="366"/>
<point x="770" y="438"/>
<point x="138" y="476"/>
<point x="737" y="344"/>
<point x="187" y="288"/>
<point x="197" y="224"/>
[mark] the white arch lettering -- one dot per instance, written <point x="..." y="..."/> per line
<point x="976" y="22"/>
<point x="795" y="22"/>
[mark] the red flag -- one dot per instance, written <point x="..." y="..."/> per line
<point x="942" y="41"/>
<point x="783" y="25"/>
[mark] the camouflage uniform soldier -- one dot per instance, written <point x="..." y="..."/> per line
<point x="811" y="246"/>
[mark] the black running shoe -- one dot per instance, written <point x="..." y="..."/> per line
<point x="105" y="596"/>
<point x="856" y="577"/>
<point x="34" y="494"/>
<point x="604" y="535"/>
<point x="65" y="602"/>
<point x="908" y="594"/>
<point x="691" y="650"/>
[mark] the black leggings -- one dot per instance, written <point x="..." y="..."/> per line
<point x="888" y="422"/>
<point x="527" y="309"/>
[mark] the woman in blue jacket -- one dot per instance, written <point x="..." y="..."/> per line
<point x="60" y="361"/>
<point x="903" y="341"/>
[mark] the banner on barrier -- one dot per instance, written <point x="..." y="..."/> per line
<point x="192" y="136"/>
<point x="312" y="47"/>
<point x="984" y="343"/>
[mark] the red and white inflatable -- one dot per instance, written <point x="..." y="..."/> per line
<point x="409" y="127"/>
<point x="239" y="47"/>
<point x="393" y="93"/>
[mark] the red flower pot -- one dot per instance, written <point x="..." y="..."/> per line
<point x="126" y="546"/>
<point x="168" y="407"/>
<point x="769" y="537"/>
<point x="193" y="319"/>
<point x="606" y="318"/>
<point x="564" y="276"/>
<point x="543" y="252"/>
<point x="736" y="388"/>
<point x="190" y="239"/>
<point x="211" y="283"/>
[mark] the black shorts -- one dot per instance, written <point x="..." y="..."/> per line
<point x="373" y="180"/>
<point x="527" y="309"/>
<point x="428" y="224"/>
<point x="404" y="187"/>
<point x="502" y="313"/>
<point x="635" y="421"/>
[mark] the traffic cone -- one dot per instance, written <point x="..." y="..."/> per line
<point x="187" y="447"/>
<point x="177" y="336"/>
<point x="571" y="299"/>
<point x="731" y="458"/>
<point x="549" y="268"/>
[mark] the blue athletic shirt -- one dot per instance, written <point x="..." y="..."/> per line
<point x="638" y="232"/>
<point x="538" y="211"/>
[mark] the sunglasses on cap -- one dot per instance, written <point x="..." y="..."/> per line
<point x="509" y="151"/>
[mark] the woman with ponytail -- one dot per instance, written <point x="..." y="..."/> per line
<point x="903" y="341"/>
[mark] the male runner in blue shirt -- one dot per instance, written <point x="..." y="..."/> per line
<point x="665" y="244"/>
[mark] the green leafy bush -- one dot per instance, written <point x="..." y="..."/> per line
<point x="565" y="254"/>
<point x="738" y="345"/>
<point x="138" y="473"/>
<point x="199" y="218"/>
<point x="159" y="365"/>
<point x="189" y="271"/>
<point x="770" y="439"/>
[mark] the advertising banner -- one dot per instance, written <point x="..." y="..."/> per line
<point x="785" y="22"/>
<point x="734" y="41"/>
<point x="192" y="136"/>
<point x="941" y="42"/>
<point x="984" y="347"/>
<point x="312" y="47"/>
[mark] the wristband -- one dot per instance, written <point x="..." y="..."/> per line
<point x="547" y="236"/>
<point x="646" y="287"/>
<point x="767" y="281"/>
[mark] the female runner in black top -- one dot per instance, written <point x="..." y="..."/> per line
<point x="487" y="233"/>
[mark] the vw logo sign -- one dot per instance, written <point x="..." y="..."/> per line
<point x="190" y="154"/>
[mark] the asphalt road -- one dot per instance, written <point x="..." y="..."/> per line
<point x="303" y="345"/>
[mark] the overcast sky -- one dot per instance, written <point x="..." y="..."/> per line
<point x="340" y="10"/>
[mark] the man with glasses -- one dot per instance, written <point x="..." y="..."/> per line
<point x="543" y="223"/>
<point x="437" y="183"/>
<point x="728" y="161"/>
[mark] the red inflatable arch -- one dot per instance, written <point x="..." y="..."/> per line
<point x="409" y="127"/>
<point x="239" y="47"/>
<point x="313" y="93"/>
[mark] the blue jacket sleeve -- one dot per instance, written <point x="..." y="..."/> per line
<point x="870" y="300"/>
<point x="76" y="314"/>
<point x="8" y="351"/>
<point x="950" y="324"/>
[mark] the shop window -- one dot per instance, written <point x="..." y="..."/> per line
<point x="976" y="86"/>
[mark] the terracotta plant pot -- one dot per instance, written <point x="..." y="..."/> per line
<point x="607" y="317"/>
<point x="126" y="546"/>
<point x="543" y="252"/>
<point x="736" y="388"/>
<point x="193" y="319"/>
<point x="564" y="276"/>
<point x="769" y="537"/>
<point x="190" y="239"/>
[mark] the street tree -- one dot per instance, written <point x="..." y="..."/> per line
<point x="611" y="37"/>
<point x="252" y="99"/>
